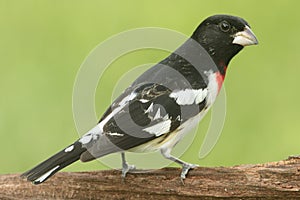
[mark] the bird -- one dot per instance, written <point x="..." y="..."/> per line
<point x="163" y="104"/>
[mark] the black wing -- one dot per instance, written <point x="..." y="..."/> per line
<point x="147" y="109"/>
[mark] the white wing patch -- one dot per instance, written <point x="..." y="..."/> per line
<point x="157" y="115"/>
<point x="94" y="133"/>
<point x="150" y="108"/>
<point x="166" y="117"/>
<point x="159" y="128"/>
<point x="189" y="96"/>
<point x="127" y="99"/>
<point x="144" y="100"/>
<point x="120" y="106"/>
<point x="116" y="134"/>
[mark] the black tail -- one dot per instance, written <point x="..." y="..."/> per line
<point x="49" y="167"/>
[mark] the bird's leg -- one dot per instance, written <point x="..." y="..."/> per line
<point x="125" y="166"/>
<point x="185" y="166"/>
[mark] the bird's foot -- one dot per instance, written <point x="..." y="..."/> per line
<point x="126" y="168"/>
<point x="185" y="169"/>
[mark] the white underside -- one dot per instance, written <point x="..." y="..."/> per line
<point x="183" y="130"/>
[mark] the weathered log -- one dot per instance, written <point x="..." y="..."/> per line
<point x="275" y="180"/>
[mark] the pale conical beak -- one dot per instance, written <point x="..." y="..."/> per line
<point x="245" y="37"/>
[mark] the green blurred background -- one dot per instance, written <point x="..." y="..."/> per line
<point x="43" y="43"/>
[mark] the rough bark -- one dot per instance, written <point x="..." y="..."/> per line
<point x="276" y="180"/>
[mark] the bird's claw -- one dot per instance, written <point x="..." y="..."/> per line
<point x="185" y="169"/>
<point x="126" y="168"/>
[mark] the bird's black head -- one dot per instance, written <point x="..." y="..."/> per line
<point x="223" y="36"/>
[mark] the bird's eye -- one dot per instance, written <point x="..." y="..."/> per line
<point x="224" y="26"/>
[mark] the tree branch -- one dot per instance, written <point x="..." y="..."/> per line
<point x="278" y="180"/>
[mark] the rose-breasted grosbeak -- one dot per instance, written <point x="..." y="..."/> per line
<point x="164" y="103"/>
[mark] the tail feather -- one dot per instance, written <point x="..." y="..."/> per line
<point x="49" y="167"/>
